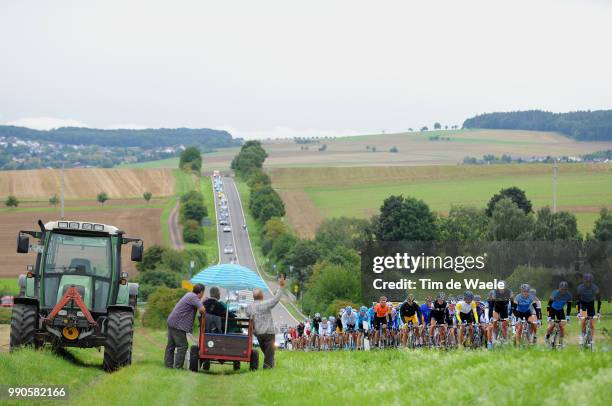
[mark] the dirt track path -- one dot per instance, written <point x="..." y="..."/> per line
<point x="175" y="228"/>
<point x="5" y="330"/>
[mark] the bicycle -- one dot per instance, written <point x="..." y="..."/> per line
<point x="451" y="341"/>
<point x="526" y="335"/>
<point x="436" y="341"/>
<point x="587" y="340"/>
<point x="555" y="340"/>
<point x="410" y="336"/>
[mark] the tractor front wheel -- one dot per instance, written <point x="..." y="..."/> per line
<point x="119" y="339"/>
<point x="24" y="321"/>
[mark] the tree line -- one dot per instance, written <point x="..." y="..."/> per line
<point x="580" y="125"/>
<point x="147" y="138"/>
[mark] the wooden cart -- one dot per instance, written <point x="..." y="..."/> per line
<point x="219" y="348"/>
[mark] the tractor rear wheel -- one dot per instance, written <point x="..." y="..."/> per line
<point x="24" y="321"/>
<point x="119" y="339"/>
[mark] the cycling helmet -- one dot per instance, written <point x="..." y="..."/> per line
<point x="525" y="287"/>
<point x="451" y="299"/>
<point x="477" y="298"/>
<point x="588" y="277"/>
<point x="348" y="309"/>
<point x="440" y="295"/>
<point x="324" y="318"/>
<point x="532" y="291"/>
<point x="364" y="309"/>
<point x="563" y="285"/>
<point x="468" y="295"/>
<point x="491" y="294"/>
<point x="332" y="319"/>
<point x="410" y="298"/>
<point x="317" y="315"/>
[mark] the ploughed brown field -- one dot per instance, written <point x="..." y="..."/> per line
<point x="136" y="222"/>
<point x="86" y="183"/>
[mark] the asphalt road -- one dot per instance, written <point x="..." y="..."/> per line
<point x="239" y="239"/>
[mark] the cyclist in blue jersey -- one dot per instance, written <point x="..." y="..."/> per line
<point x="364" y="325"/>
<point x="426" y="311"/>
<point x="524" y="309"/>
<point x="586" y="294"/>
<point x="559" y="298"/>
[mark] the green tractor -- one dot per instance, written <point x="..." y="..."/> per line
<point x="76" y="295"/>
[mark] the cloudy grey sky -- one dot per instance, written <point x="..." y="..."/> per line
<point x="284" y="68"/>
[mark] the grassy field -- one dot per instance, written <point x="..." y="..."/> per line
<point x="505" y="377"/>
<point x="219" y="159"/>
<point x="8" y="286"/>
<point x="359" y="192"/>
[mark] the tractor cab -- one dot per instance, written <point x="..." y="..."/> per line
<point x="77" y="288"/>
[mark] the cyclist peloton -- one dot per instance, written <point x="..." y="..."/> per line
<point x="466" y="314"/>
<point x="410" y="313"/>
<point x="524" y="308"/>
<point x="558" y="299"/>
<point x="587" y="293"/>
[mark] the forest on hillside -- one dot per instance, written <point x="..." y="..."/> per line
<point x="147" y="138"/>
<point x="580" y="125"/>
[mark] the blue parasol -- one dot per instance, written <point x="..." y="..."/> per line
<point x="230" y="276"/>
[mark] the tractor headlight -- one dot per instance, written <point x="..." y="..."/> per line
<point x="74" y="225"/>
<point x="86" y="226"/>
<point x="62" y="312"/>
<point x="62" y="224"/>
<point x="98" y="227"/>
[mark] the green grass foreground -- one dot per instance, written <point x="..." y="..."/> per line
<point x="505" y="376"/>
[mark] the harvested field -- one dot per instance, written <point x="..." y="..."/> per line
<point x="301" y="212"/>
<point x="290" y="178"/>
<point x="414" y="149"/>
<point x="137" y="222"/>
<point x="86" y="183"/>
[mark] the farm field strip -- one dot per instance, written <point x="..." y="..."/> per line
<point x="86" y="183"/>
<point x="335" y="192"/>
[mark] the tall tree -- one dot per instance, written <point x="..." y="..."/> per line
<point x="513" y="193"/>
<point x="603" y="226"/>
<point x="405" y="219"/>
<point x="191" y="160"/>
<point x="509" y="223"/>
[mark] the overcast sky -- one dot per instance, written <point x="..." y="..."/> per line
<point x="284" y="68"/>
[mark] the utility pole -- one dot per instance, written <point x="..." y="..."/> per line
<point x="62" y="193"/>
<point x="555" y="172"/>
